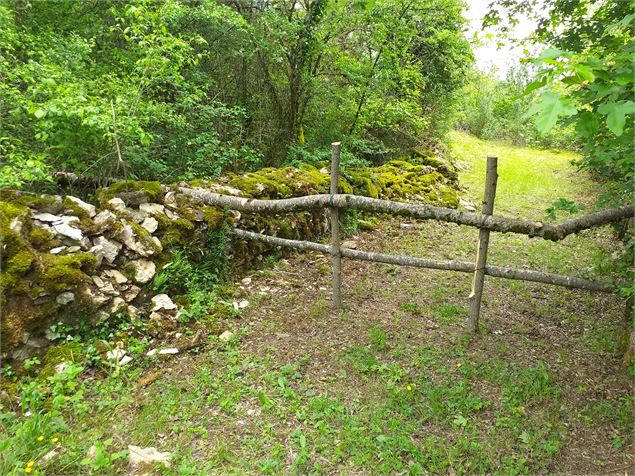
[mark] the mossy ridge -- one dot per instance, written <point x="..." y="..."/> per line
<point x="42" y="202"/>
<point x="397" y="180"/>
<point x="272" y="183"/>
<point x="153" y="190"/>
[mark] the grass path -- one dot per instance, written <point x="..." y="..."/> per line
<point x="391" y="385"/>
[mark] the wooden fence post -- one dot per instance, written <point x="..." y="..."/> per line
<point x="491" y="177"/>
<point x="336" y="256"/>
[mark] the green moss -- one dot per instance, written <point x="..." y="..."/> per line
<point x="70" y="352"/>
<point x="60" y="273"/>
<point x="178" y="232"/>
<point x="259" y="186"/>
<point x="129" y="271"/>
<point x="214" y="217"/>
<point x="285" y="230"/>
<point x="368" y="224"/>
<point x="153" y="190"/>
<point x="9" y="395"/>
<point x="36" y="201"/>
<point x="449" y="196"/>
<point x="20" y="263"/>
<point x="429" y="179"/>
<point x="42" y="239"/>
<point x="17" y="266"/>
<point x="74" y="208"/>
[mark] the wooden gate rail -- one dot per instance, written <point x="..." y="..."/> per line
<point x="538" y="229"/>
<point x="485" y="221"/>
<point x="410" y="261"/>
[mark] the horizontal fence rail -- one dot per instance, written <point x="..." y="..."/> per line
<point x="547" y="231"/>
<point x="461" y="266"/>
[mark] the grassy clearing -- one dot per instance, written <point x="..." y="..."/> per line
<point x="390" y="385"/>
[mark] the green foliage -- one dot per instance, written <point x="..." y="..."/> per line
<point x="563" y="204"/>
<point x="103" y="459"/>
<point x="491" y="108"/>
<point x="587" y="80"/>
<point x="586" y="74"/>
<point x="170" y="90"/>
<point x="196" y="272"/>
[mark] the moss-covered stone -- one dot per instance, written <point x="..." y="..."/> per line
<point x="154" y="191"/>
<point x="144" y="236"/>
<point x="42" y="239"/>
<point x="60" y="273"/>
<point x="43" y="203"/>
<point x="68" y="352"/>
<point x="178" y="232"/>
<point x="214" y="217"/>
<point x="17" y="266"/>
<point x="74" y="208"/>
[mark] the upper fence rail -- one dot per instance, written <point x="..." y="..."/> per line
<point x="547" y="231"/>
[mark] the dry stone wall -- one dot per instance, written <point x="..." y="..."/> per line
<point x="62" y="257"/>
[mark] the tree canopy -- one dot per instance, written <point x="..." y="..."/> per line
<point x="176" y="89"/>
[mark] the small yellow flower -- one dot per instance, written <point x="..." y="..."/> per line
<point x="409" y="388"/>
<point x="40" y="438"/>
<point x="458" y="364"/>
<point x="30" y="463"/>
<point x="28" y="469"/>
<point x="54" y="440"/>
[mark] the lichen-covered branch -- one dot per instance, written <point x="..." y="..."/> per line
<point x="553" y="232"/>
<point x="461" y="266"/>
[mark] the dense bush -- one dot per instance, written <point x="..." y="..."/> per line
<point x="491" y="108"/>
<point x="171" y="89"/>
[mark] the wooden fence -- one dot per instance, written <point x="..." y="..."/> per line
<point x="486" y="222"/>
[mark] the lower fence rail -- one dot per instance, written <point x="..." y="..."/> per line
<point x="461" y="266"/>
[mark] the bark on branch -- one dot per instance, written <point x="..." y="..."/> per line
<point x="461" y="266"/>
<point x="553" y="232"/>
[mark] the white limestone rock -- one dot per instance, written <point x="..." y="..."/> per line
<point x="131" y="293"/>
<point x="170" y="200"/>
<point x="144" y="270"/>
<point x="151" y="224"/>
<point x="87" y="207"/>
<point x="65" y="229"/>
<point x="162" y="301"/>
<point x="48" y="218"/>
<point x="117" y="204"/>
<point x="15" y="225"/>
<point x="65" y="298"/>
<point x="152" y="208"/>
<point x="104" y="219"/>
<point x="117" y="305"/>
<point x="128" y="237"/>
<point x="96" y="298"/>
<point x="118" y="276"/>
<point x="169" y="351"/>
<point x="108" y="249"/>
<point x="226" y="336"/>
